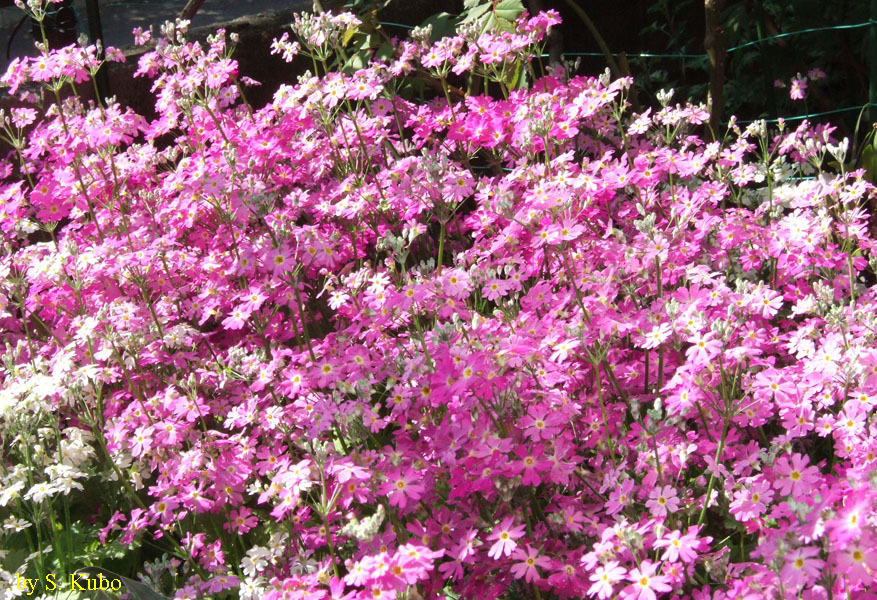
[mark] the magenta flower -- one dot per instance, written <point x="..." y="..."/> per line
<point x="530" y="465"/>
<point x="541" y="424"/>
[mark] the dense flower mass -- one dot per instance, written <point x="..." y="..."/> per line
<point x="511" y="340"/>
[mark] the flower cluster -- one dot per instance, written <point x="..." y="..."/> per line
<point x="515" y="343"/>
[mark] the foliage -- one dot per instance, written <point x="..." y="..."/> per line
<point x="492" y="16"/>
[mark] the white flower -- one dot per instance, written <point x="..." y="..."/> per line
<point x="40" y="491"/>
<point x="656" y="336"/>
<point x="804" y="305"/>
<point x="252" y="588"/>
<point x="839" y="152"/>
<point x="10" y="492"/>
<point x="562" y="349"/>
<point x="277" y="543"/>
<point x="255" y="561"/>
<point x="64" y="478"/>
<point x="76" y="449"/>
<point x="15" y="524"/>
<point x="664" y="97"/>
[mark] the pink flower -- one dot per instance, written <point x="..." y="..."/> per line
<point x="858" y="561"/>
<point x="531" y="464"/>
<point x="562" y="349"/>
<point x="164" y="509"/>
<point x="413" y="562"/>
<point x="456" y="282"/>
<point x="242" y="521"/>
<point x="253" y="299"/>
<point x="402" y="487"/>
<point x="799" y="88"/>
<point x="751" y="501"/>
<point x="768" y="302"/>
<point x="851" y="519"/>
<point x="663" y="500"/>
<point x="620" y="497"/>
<point x="494" y="289"/>
<point x="326" y="373"/>
<point x="680" y="547"/>
<point x="704" y="347"/>
<point x="540" y="424"/>
<point x="802" y="567"/>
<point x="237" y="319"/>
<point x="505" y="536"/>
<point x="773" y="383"/>
<point x="795" y="477"/>
<point x="529" y="560"/>
<point x="645" y="583"/>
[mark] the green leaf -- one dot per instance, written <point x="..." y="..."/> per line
<point x="509" y="10"/>
<point x="356" y="62"/>
<point x="475" y="13"/>
<point x="348" y="35"/>
<point x="384" y="51"/>
<point x="869" y="162"/>
<point x="111" y="551"/>
<point x="516" y="76"/>
<point x="369" y="40"/>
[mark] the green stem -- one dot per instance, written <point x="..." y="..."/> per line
<point x="441" y="248"/>
<point x="603" y="414"/>
<point x="304" y="326"/>
<point x="660" y="278"/>
<point x="709" y="487"/>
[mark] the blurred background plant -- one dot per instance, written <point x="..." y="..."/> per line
<point x="793" y="60"/>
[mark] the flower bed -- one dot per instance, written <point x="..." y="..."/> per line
<point x="393" y="336"/>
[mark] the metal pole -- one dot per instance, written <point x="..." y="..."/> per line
<point x="95" y="32"/>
